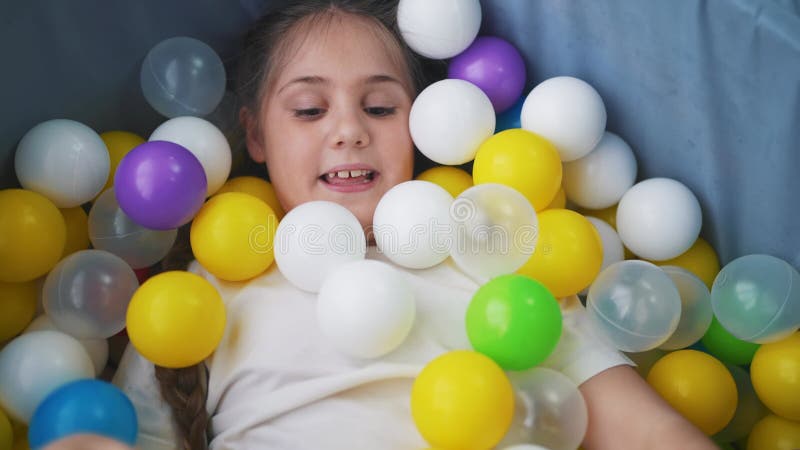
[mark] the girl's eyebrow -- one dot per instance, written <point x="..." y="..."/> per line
<point x="317" y="80"/>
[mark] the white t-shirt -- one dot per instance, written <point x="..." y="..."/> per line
<point x="276" y="383"/>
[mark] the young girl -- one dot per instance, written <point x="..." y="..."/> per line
<point x="327" y="88"/>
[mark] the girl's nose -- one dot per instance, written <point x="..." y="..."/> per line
<point x="350" y="132"/>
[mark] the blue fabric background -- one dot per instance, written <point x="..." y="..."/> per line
<point x="706" y="92"/>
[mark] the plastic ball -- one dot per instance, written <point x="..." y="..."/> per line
<point x="315" y="238"/>
<point x="77" y="224"/>
<point x="181" y="76"/>
<point x="559" y="201"/>
<point x="698" y="386"/>
<point x="452" y="179"/>
<point x="35" y="364"/>
<point x="84" y="406"/>
<point x="659" y="219"/>
<point x="412" y="224"/>
<point x="635" y="304"/>
<point x="462" y="399"/>
<point x="32" y="235"/>
<point x="449" y="120"/>
<point x="510" y="118"/>
<point x="97" y="349"/>
<point x="569" y="252"/>
<point x="599" y="179"/>
<point x="568" y="112"/>
<point x="774" y="433"/>
<point x="550" y="412"/>
<point x="17" y="308"/>
<point x="749" y="409"/>
<point x="87" y="294"/>
<point x="495" y="230"/>
<point x="258" y="188"/>
<point x="525" y="447"/>
<point x="118" y="143"/>
<point x="515" y="321"/>
<point x="372" y="320"/>
<point x="205" y="141"/>
<point x="776" y="376"/>
<point x="727" y="347"/>
<point x="608" y="215"/>
<point x="110" y="229"/>
<point x="696" y="311"/>
<point x="441" y="29"/>
<point x="495" y="66"/>
<point x="6" y="432"/>
<point x="160" y="185"/>
<point x="233" y="236"/>
<point x="64" y="160"/>
<point x="700" y="259"/>
<point x="176" y="319"/>
<point x="523" y="161"/>
<point x="757" y="298"/>
<point x="645" y="360"/>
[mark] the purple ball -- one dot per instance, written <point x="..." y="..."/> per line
<point x="160" y="185"/>
<point x="495" y="66"/>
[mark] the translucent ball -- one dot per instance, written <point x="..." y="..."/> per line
<point x="599" y="179"/>
<point x="550" y="411"/>
<point x="97" y="349"/>
<point x="659" y="218"/>
<point x="449" y="120"/>
<point x="110" y="229"/>
<point x="373" y="319"/>
<point x="87" y="294"/>
<point x="440" y="29"/>
<point x="182" y="76"/>
<point x="412" y="224"/>
<point x="495" y="230"/>
<point x="205" y="141"/>
<point x="568" y="112"/>
<point x="696" y="311"/>
<point x="314" y="239"/>
<point x="64" y="160"/>
<point x="35" y="364"/>
<point x="757" y="298"/>
<point x="613" y="250"/>
<point x="635" y="304"/>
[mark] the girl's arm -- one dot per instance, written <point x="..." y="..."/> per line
<point x="626" y="413"/>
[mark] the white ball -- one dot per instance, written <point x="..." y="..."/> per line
<point x="568" y="112"/>
<point x="412" y="224"/>
<point x="64" y="160"/>
<point x="658" y="219"/>
<point x="315" y="238"/>
<point x="205" y="141"/>
<point x="96" y="348"/>
<point x="35" y="364"/>
<point x="366" y="308"/>
<point x="450" y="119"/>
<point x="439" y="29"/>
<point x="526" y="447"/>
<point x="613" y="250"/>
<point x="599" y="179"/>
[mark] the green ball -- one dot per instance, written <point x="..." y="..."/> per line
<point x="727" y="347"/>
<point x="514" y="320"/>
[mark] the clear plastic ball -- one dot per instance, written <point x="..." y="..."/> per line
<point x="696" y="311"/>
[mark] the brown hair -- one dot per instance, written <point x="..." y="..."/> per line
<point x="265" y="46"/>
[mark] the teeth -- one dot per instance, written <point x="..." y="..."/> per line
<point x="347" y="174"/>
<point x="343" y="174"/>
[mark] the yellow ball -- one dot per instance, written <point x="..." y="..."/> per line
<point x="523" y="160"/>
<point x="462" y="399"/>
<point x="774" y="433"/>
<point x="6" y="433"/>
<point x="700" y="259"/>
<point x="452" y="179"/>
<point x="77" y="230"/>
<point x="176" y="319"/>
<point x="17" y="307"/>
<point x="559" y="201"/>
<point x="698" y="386"/>
<point x="119" y="143"/>
<point x="775" y="372"/>
<point x="232" y="236"/>
<point x="256" y="187"/>
<point x="32" y="235"/>
<point x="568" y="254"/>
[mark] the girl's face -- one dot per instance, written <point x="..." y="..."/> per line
<point x="333" y="123"/>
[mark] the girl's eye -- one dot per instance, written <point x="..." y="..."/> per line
<point x="308" y="113"/>
<point x="380" y="111"/>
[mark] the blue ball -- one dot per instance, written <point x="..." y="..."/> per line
<point x="511" y="118"/>
<point x="84" y="406"/>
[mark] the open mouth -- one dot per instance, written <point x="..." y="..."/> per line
<point x="349" y="177"/>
